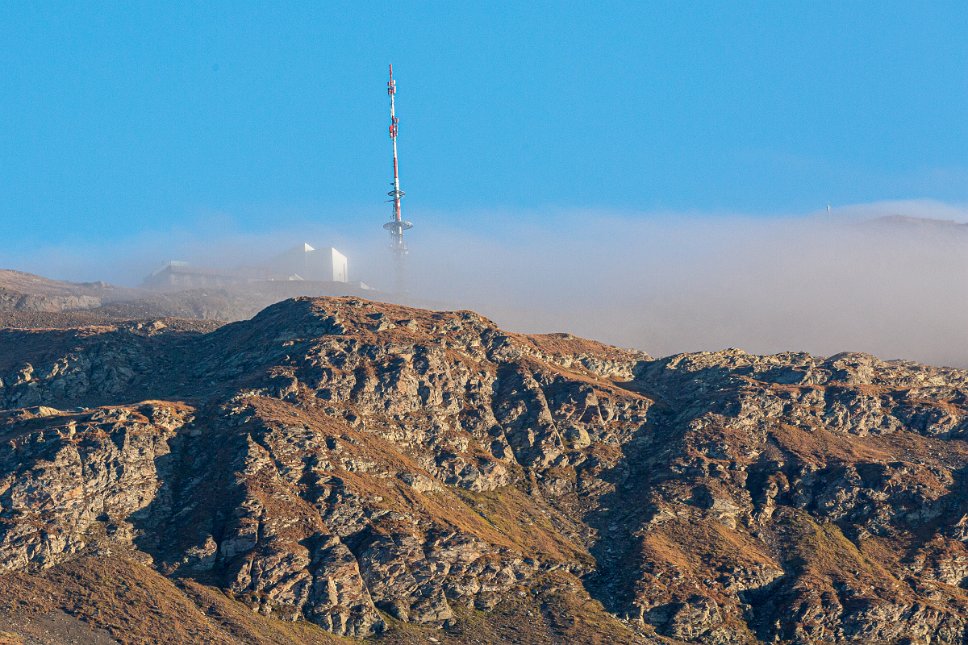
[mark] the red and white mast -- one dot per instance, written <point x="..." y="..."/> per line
<point x="396" y="226"/>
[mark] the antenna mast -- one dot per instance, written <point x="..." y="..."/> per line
<point x="396" y="226"/>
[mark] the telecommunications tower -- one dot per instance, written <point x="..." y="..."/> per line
<point x="397" y="225"/>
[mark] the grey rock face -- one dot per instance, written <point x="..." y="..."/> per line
<point x="333" y="459"/>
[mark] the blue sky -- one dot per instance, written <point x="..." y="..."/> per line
<point x="118" y="119"/>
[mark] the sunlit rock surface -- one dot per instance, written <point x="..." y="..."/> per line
<point x="365" y="469"/>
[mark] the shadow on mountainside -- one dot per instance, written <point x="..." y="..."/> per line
<point x="622" y="512"/>
<point x="645" y="465"/>
<point x="184" y="526"/>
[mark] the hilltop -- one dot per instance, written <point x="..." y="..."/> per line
<point x="336" y="467"/>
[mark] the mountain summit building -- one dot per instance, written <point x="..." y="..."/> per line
<point x="303" y="262"/>
<point x="300" y="263"/>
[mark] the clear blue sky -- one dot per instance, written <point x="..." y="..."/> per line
<point x="123" y="117"/>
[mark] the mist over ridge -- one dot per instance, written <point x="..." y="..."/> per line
<point x="885" y="278"/>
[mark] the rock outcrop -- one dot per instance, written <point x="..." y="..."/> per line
<point x="358" y="466"/>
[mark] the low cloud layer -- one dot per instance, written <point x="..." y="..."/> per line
<point x="661" y="282"/>
<point x="895" y="288"/>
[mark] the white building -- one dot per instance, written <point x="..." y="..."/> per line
<point x="181" y="275"/>
<point x="300" y="263"/>
<point x="307" y="263"/>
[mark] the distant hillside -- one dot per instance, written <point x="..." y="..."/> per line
<point x="31" y="301"/>
<point x="919" y="223"/>
<point x="27" y="292"/>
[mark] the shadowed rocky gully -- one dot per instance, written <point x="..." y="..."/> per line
<point x="338" y="469"/>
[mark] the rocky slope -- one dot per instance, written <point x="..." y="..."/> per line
<point x="367" y="470"/>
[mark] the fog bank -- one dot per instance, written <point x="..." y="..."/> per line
<point x="661" y="282"/>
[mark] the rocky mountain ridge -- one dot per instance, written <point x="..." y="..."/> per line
<point x="365" y="469"/>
